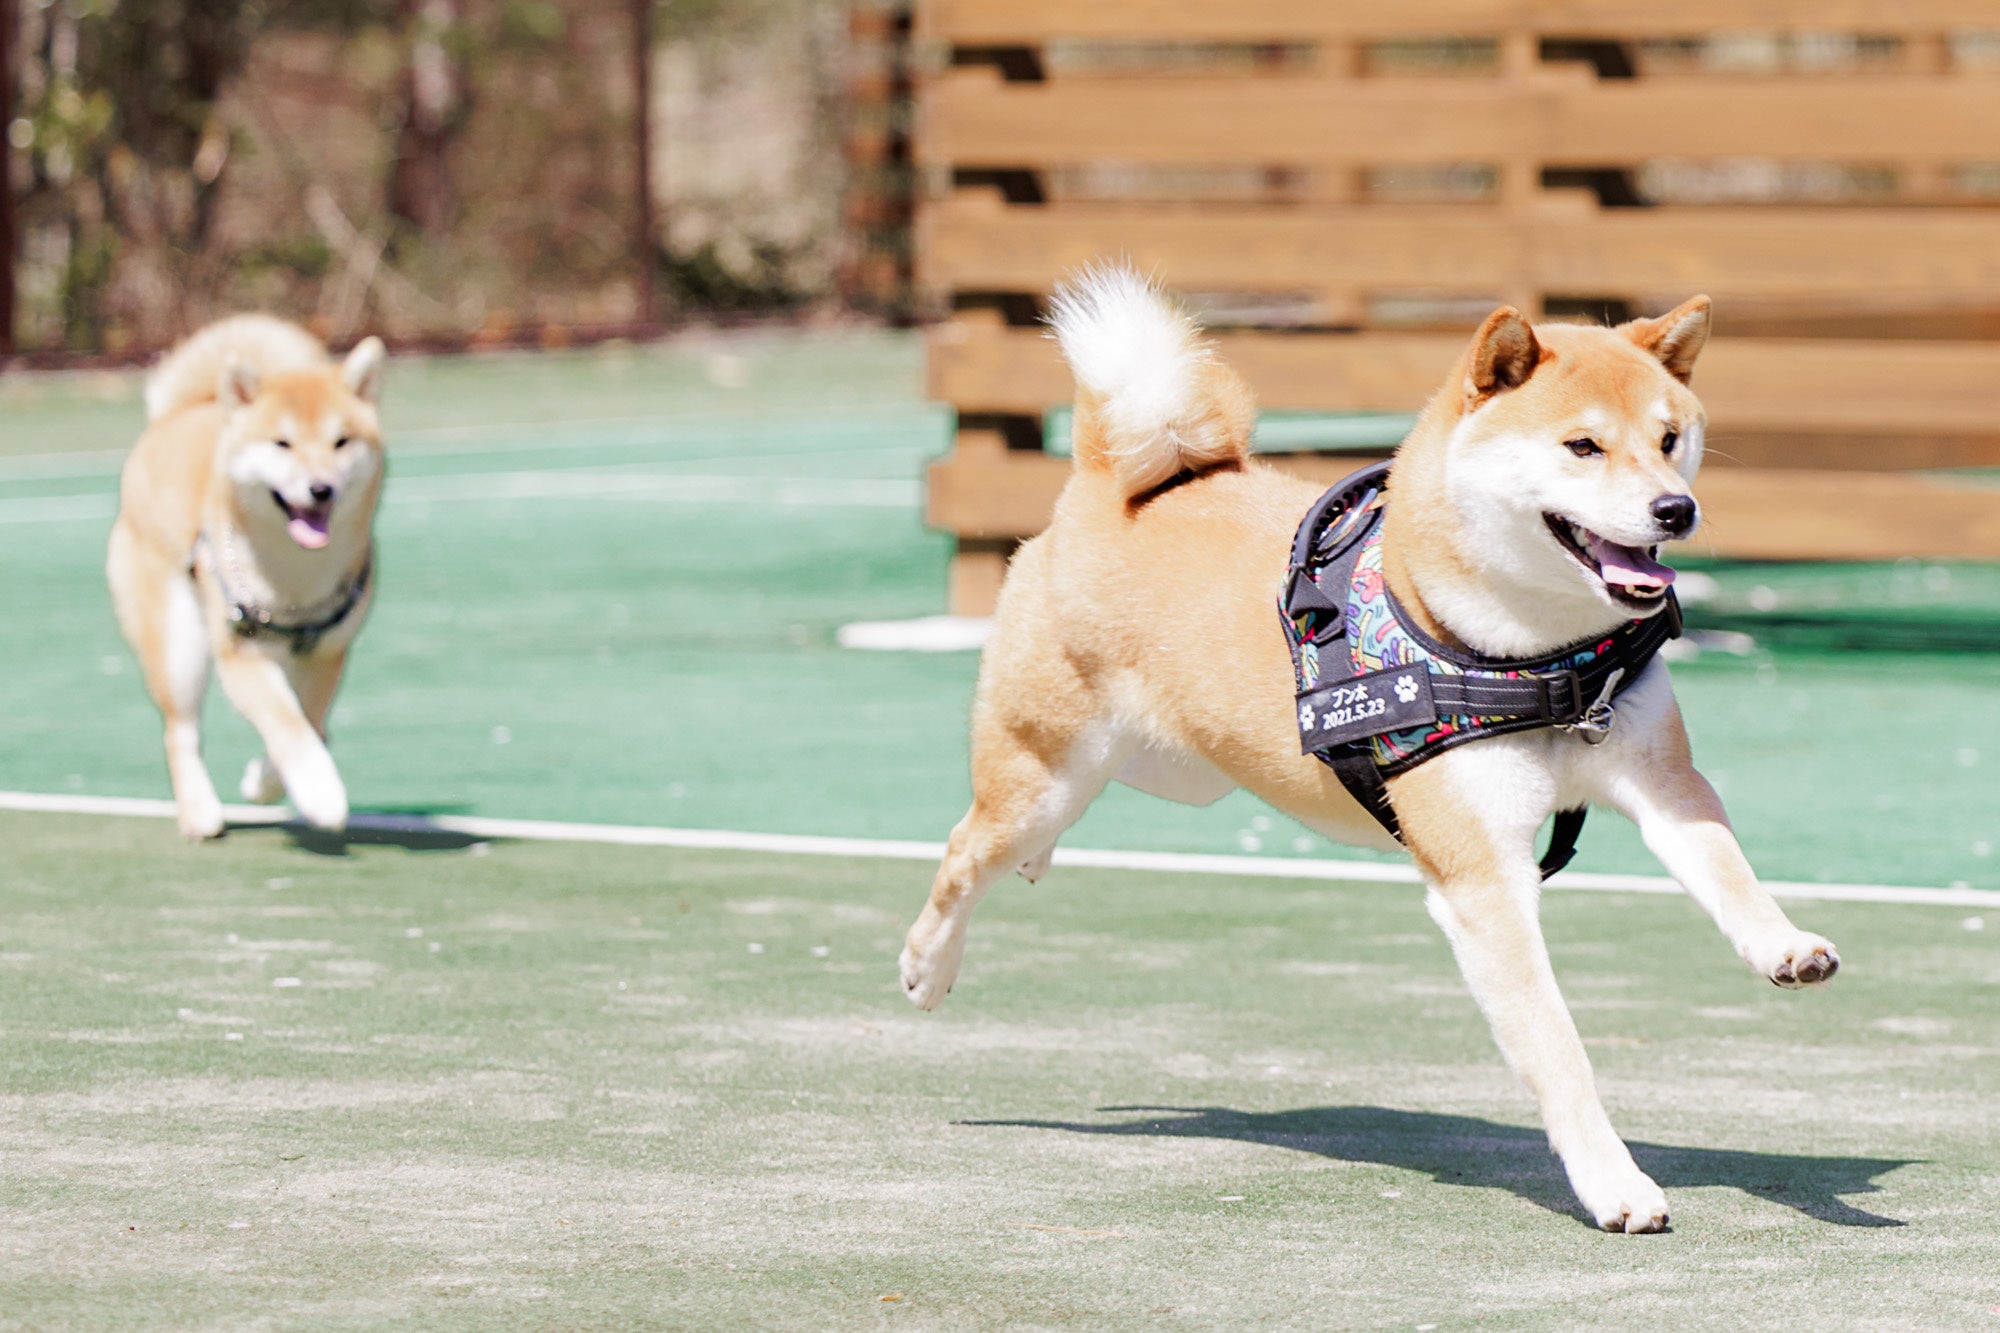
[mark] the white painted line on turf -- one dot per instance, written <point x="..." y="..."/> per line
<point x="778" y="492"/>
<point x="887" y="849"/>
<point x="471" y="439"/>
<point x="925" y="634"/>
<point x="859" y="420"/>
<point x="683" y="488"/>
<point x="57" y="508"/>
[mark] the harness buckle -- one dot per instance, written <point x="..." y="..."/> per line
<point x="1572" y="695"/>
<point x="1595" y="723"/>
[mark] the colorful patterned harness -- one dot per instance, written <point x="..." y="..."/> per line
<point x="1377" y="696"/>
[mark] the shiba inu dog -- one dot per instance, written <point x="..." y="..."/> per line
<point x="1136" y="640"/>
<point x="244" y="538"/>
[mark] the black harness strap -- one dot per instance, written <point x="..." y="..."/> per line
<point x="1506" y="696"/>
<point x="250" y="621"/>
<point x="1563" y="833"/>
<point x="1355" y="766"/>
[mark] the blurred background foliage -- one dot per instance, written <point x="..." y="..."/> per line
<point x="449" y="170"/>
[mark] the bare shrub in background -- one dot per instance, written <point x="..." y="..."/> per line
<point x="449" y="169"/>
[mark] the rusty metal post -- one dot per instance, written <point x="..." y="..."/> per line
<point x="642" y="158"/>
<point x="9" y="35"/>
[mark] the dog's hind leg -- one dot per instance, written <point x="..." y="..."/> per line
<point x="1030" y="780"/>
<point x="261" y="784"/>
<point x="1485" y="894"/>
<point x="161" y="618"/>
<point x="1038" y="865"/>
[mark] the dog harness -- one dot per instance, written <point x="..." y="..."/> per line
<point x="1377" y="696"/>
<point x="307" y="626"/>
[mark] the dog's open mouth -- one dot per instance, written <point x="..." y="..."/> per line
<point x="306" y="524"/>
<point x="1631" y="574"/>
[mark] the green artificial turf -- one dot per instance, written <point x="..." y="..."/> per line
<point x="547" y="647"/>
<point x="530" y="1085"/>
<point x="547" y="1086"/>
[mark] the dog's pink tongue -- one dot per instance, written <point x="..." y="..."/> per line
<point x="309" y="529"/>
<point x="1628" y="566"/>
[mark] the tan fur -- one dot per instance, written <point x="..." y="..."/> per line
<point x="1143" y="621"/>
<point x="1216" y="433"/>
<point x="208" y="464"/>
<point x="191" y="373"/>
<point x="1152" y="400"/>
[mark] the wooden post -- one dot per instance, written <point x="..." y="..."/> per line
<point x="1521" y="178"/>
<point x="8" y="34"/>
<point x="642" y="158"/>
<point x="1930" y="55"/>
<point x="1345" y="187"/>
<point x="875" y="271"/>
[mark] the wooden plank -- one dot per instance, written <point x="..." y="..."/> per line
<point x="1782" y="385"/>
<point x="1758" y="514"/>
<point x="1010" y="496"/>
<point x="1926" y="257"/>
<point x="1749" y="513"/>
<point x="1032" y="22"/>
<point x="1019" y="371"/>
<point x="969" y="118"/>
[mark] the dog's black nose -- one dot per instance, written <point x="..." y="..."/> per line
<point x="1676" y="513"/>
<point x="321" y="493"/>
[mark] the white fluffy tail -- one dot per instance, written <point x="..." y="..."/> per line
<point x="1152" y="399"/>
<point x="261" y="344"/>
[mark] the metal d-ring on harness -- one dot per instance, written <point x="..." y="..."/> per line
<point x="1377" y="696"/>
<point x="1595" y="724"/>
<point x="307" y="625"/>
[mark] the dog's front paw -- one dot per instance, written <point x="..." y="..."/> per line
<point x="200" y="819"/>
<point x="930" y="964"/>
<point x="1621" y="1197"/>
<point x="1794" y="959"/>
<point x="261" y="784"/>
<point x="319" y="795"/>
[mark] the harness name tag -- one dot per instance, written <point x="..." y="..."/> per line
<point x="1363" y="706"/>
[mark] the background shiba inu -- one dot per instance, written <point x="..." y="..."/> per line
<point x="1137" y="639"/>
<point x="244" y="538"/>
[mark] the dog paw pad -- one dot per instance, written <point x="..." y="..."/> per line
<point x="1806" y="968"/>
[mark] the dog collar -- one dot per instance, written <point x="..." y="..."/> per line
<point x="1377" y="696"/>
<point x="301" y="627"/>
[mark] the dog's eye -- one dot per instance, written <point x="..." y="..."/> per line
<point x="343" y="442"/>
<point x="282" y="444"/>
<point x="1583" y="447"/>
<point x="1667" y="445"/>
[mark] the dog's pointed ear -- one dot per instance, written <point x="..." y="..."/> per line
<point x="362" y="371"/>
<point x="1676" y="337"/>
<point x="1504" y="353"/>
<point x="237" y="385"/>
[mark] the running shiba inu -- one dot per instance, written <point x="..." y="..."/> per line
<point x="1135" y="639"/>
<point x="244" y="537"/>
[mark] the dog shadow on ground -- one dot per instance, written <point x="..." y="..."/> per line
<point x="411" y="830"/>
<point x="1465" y="1150"/>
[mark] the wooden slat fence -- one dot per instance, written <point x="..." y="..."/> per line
<point x="1258" y="153"/>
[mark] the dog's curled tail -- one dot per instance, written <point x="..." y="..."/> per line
<point x="1152" y="400"/>
<point x="258" y="344"/>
